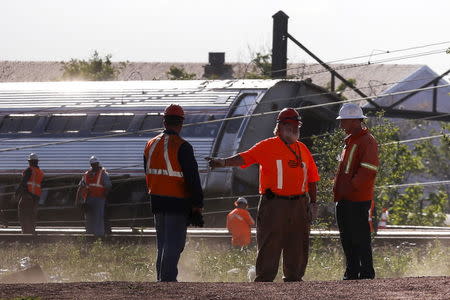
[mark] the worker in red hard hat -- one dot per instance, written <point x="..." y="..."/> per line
<point x="288" y="185"/>
<point x="175" y="191"/>
<point x="174" y="110"/>
<point x="289" y="115"/>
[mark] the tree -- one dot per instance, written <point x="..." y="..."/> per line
<point x="262" y="67"/>
<point x="94" y="69"/>
<point x="179" y="73"/>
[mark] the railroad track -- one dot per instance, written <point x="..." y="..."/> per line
<point x="407" y="233"/>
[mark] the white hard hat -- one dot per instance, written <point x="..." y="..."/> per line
<point x="93" y="160"/>
<point x="351" y="111"/>
<point x="33" y="156"/>
<point x="242" y="200"/>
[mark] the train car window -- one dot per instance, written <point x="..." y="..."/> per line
<point x="65" y="123"/>
<point x="20" y="123"/>
<point x="242" y="108"/>
<point x="201" y="130"/>
<point x="113" y="122"/>
<point x="233" y="125"/>
<point x="152" y="121"/>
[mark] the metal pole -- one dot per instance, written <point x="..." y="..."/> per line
<point x="279" y="45"/>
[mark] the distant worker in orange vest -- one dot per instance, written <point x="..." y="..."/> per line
<point x="93" y="189"/>
<point x="29" y="192"/>
<point x="239" y="223"/>
<point x="287" y="183"/>
<point x="175" y="191"/>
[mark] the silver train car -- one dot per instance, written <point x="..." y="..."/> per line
<point x="67" y="122"/>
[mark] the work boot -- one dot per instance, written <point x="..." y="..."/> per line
<point x="348" y="276"/>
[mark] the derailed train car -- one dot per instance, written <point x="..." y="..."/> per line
<point x="67" y="122"/>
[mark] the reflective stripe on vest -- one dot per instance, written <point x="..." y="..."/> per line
<point x="164" y="176"/>
<point x="98" y="182"/>
<point x="167" y="172"/>
<point x="350" y="158"/>
<point x="95" y="187"/>
<point x="369" y="166"/>
<point x="279" y="174"/>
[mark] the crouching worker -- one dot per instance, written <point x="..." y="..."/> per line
<point x="93" y="189"/>
<point x="176" y="195"/>
<point x="29" y="192"/>
<point x="239" y="223"/>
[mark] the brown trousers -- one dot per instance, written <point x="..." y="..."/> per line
<point x="28" y="206"/>
<point x="282" y="226"/>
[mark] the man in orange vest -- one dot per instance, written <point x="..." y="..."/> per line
<point x="288" y="175"/>
<point x="175" y="191"/>
<point x="354" y="192"/>
<point x="29" y="192"/>
<point x="93" y="189"/>
<point x="239" y="223"/>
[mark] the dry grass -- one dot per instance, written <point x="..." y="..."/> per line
<point x="209" y="262"/>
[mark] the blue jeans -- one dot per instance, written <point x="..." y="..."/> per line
<point x="170" y="238"/>
<point x="95" y="212"/>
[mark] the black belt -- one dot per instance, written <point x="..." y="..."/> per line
<point x="271" y="194"/>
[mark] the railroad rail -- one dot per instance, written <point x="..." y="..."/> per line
<point x="404" y="233"/>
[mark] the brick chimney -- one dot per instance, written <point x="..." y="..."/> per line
<point x="217" y="69"/>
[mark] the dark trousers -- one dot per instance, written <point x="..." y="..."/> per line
<point x="352" y="219"/>
<point x="95" y="216"/>
<point x="171" y="238"/>
<point x="27" y="209"/>
<point x="282" y="226"/>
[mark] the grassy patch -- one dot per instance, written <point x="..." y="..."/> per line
<point x="206" y="260"/>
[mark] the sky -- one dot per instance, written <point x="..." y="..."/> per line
<point x="185" y="31"/>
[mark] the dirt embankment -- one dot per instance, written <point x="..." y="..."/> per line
<point x="399" y="288"/>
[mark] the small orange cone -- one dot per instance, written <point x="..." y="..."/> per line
<point x="383" y="220"/>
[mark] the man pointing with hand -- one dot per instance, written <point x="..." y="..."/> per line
<point x="287" y="184"/>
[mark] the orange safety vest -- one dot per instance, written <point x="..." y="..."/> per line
<point x="164" y="176"/>
<point x="239" y="222"/>
<point x="280" y="170"/>
<point x="94" y="184"/>
<point x="34" y="183"/>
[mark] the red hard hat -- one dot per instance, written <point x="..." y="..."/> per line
<point x="174" y="110"/>
<point x="288" y="115"/>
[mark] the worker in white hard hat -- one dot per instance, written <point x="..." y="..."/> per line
<point x="354" y="192"/>
<point x="239" y="223"/>
<point x="29" y="192"/>
<point x="93" y="188"/>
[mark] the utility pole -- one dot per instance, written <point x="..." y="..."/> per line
<point x="279" y="45"/>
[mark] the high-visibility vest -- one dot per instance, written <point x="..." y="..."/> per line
<point x="164" y="176"/>
<point x="35" y="180"/>
<point x="94" y="184"/>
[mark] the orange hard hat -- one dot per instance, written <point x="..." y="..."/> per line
<point x="288" y="115"/>
<point x="174" y="110"/>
